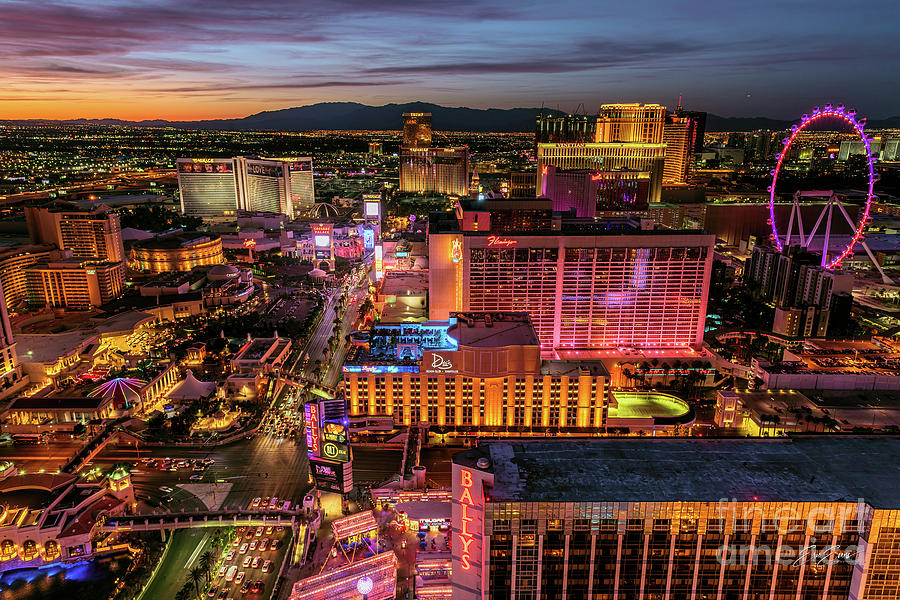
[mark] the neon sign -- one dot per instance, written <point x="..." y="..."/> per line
<point x="456" y="250"/>
<point x="494" y="240"/>
<point x="312" y="428"/>
<point x="439" y="362"/>
<point x="466" y="537"/>
<point x="379" y="261"/>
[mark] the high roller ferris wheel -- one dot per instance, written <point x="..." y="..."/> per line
<point x="783" y="236"/>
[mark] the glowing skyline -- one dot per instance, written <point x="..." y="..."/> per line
<point x="196" y="60"/>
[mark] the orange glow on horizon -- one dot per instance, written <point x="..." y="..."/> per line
<point x="132" y="109"/>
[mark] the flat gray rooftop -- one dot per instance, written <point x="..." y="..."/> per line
<point x="802" y="469"/>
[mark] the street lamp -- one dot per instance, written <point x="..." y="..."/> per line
<point x="364" y="585"/>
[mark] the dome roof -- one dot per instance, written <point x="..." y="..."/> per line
<point x="324" y="210"/>
<point x="318" y="273"/>
<point x="222" y="272"/>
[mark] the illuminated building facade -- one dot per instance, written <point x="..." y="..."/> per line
<point x="584" y="286"/>
<point x="302" y="187"/>
<point x="375" y="576"/>
<point x="263" y="186"/>
<point x="630" y="122"/>
<point x="614" y="156"/>
<point x="435" y="170"/>
<point x="75" y="283"/>
<point x="88" y="234"/>
<point x="208" y="187"/>
<point x="471" y="372"/>
<point x="10" y="370"/>
<point x="640" y="518"/>
<point x="218" y="187"/>
<point x="556" y="128"/>
<point x="679" y="134"/>
<point x="180" y="251"/>
<point x="416" y="130"/>
<point x="521" y="184"/>
<point x="590" y="192"/>
<point x="12" y="270"/>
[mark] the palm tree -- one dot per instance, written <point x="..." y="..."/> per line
<point x="206" y="563"/>
<point x="186" y="591"/>
<point x="196" y="576"/>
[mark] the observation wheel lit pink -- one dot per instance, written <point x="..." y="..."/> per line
<point x="783" y="236"/>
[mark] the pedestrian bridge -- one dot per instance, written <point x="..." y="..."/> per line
<point x="237" y="518"/>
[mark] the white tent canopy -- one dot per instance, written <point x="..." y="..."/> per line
<point x="192" y="388"/>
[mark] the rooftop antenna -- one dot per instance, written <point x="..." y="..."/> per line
<point x="679" y="103"/>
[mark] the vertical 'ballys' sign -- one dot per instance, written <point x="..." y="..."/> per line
<point x="468" y="504"/>
<point x="311" y="414"/>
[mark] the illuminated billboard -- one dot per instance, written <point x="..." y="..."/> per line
<point x="311" y="417"/>
<point x="299" y="164"/>
<point x="207" y="165"/>
<point x="332" y="476"/>
<point x="380" y="368"/>
<point x="379" y="262"/>
<point x="322" y="241"/>
<point x="373" y="209"/>
<point x="368" y="239"/>
<point x="264" y="170"/>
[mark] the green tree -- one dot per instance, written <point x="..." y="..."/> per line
<point x="195" y="576"/>
<point x="206" y="563"/>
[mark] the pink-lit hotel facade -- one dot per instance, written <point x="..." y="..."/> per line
<point x="638" y="289"/>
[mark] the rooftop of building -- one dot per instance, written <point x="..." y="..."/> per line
<point x="880" y="356"/>
<point x="567" y="226"/>
<point x="49" y="347"/>
<point x="572" y="368"/>
<point x="846" y="409"/>
<point x="800" y="469"/>
<point x="22" y="249"/>
<point x="72" y="262"/>
<point x="59" y="403"/>
<point x="404" y="283"/>
<point x="175" y="240"/>
<point x="493" y="330"/>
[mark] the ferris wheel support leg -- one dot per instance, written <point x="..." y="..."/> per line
<point x="805" y="242"/>
<point x="795" y="210"/>
<point x="884" y="277"/>
<point x="829" y="208"/>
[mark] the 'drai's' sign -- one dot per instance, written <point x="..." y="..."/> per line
<point x="466" y="535"/>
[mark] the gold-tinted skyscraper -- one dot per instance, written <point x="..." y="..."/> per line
<point x="631" y="122"/>
<point x="678" y="134"/>
<point x="417" y="130"/>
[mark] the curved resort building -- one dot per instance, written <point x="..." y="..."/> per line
<point x="180" y="251"/>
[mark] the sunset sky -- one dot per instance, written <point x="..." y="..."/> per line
<point x="224" y="58"/>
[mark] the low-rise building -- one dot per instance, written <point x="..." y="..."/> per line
<point x="262" y="355"/>
<point x="59" y="410"/>
<point x="48" y="518"/>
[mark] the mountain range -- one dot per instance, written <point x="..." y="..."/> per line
<point x="356" y="116"/>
